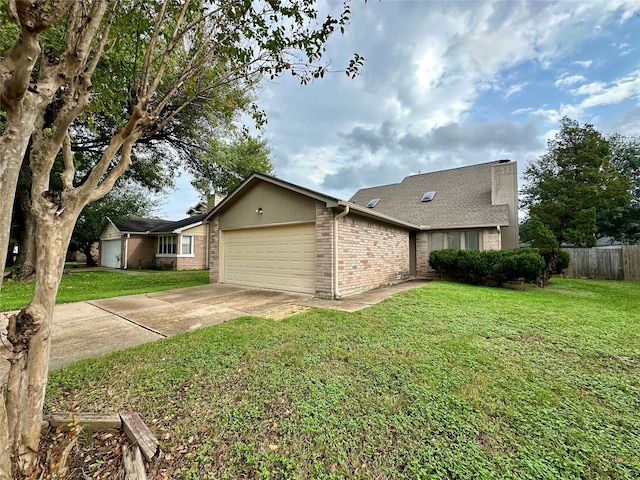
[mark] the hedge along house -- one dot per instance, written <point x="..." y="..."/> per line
<point x="269" y="233"/>
<point x="156" y="243"/>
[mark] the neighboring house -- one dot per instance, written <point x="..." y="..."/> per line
<point x="273" y="234"/>
<point x="156" y="243"/>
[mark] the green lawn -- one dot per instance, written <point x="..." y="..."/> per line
<point x="445" y="381"/>
<point x="78" y="285"/>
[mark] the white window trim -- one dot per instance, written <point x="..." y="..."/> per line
<point x="193" y="246"/>
<point x="166" y="255"/>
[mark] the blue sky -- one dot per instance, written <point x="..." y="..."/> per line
<point x="447" y="84"/>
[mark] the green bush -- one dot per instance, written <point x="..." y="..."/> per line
<point x="490" y="267"/>
<point x="563" y="260"/>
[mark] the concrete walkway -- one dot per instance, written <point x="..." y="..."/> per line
<point x="92" y="328"/>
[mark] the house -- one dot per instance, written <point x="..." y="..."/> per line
<point x="273" y="234"/>
<point x="156" y="243"/>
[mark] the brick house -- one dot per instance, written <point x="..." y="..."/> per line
<point x="273" y="234"/>
<point x="156" y="243"/>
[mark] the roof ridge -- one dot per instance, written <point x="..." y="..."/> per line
<point x="504" y="160"/>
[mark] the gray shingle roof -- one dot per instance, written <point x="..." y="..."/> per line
<point x="139" y="225"/>
<point x="173" y="226"/>
<point x="155" y="225"/>
<point x="462" y="199"/>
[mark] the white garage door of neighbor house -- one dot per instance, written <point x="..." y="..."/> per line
<point x="281" y="258"/>
<point x="110" y="254"/>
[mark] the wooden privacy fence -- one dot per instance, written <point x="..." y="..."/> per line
<point x="620" y="262"/>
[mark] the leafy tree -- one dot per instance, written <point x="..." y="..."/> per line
<point x="125" y="200"/>
<point x="225" y="165"/>
<point x="156" y="156"/>
<point x="574" y="181"/>
<point x="194" y="50"/>
<point x="623" y="223"/>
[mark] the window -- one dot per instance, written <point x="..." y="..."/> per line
<point x="453" y="240"/>
<point x="186" y="245"/>
<point x="167" y="245"/>
<point x="472" y="240"/>
<point x="457" y="240"/>
<point x="437" y="241"/>
<point x="373" y="202"/>
<point x="428" y="196"/>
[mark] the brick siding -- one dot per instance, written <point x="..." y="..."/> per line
<point x="141" y="251"/>
<point x="199" y="259"/>
<point x="423" y="269"/>
<point x="370" y="254"/>
<point x="214" y="250"/>
<point x="491" y="239"/>
<point x="324" y="251"/>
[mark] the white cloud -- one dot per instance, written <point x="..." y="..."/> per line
<point x="618" y="91"/>
<point x="513" y="89"/>
<point x="583" y="63"/>
<point x="440" y="79"/>
<point x="569" y="80"/>
<point x="593" y="88"/>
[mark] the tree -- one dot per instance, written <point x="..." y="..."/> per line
<point x="195" y="49"/>
<point x="623" y="223"/>
<point x="574" y="181"/>
<point x="225" y="165"/>
<point x="125" y="200"/>
<point x="155" y="157"/>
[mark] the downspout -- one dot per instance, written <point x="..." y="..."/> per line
<point x="345" y="212"/>
<point x="206" y="243"/>
<point x="126" y="251"/>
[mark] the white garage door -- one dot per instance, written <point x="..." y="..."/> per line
<point x="281" y="258"/>
<point x="110" y="254"/>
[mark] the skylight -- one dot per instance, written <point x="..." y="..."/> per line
<point x="373" y="202"/>
<point x="428" y="196"/>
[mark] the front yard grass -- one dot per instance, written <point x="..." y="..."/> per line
<point x="79" y="285"/>
<point x="445" y="381"/>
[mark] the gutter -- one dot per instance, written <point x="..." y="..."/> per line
<point x="345" y="212"/>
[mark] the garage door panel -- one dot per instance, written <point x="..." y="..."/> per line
<point x="111" y="253"/>
<point x="274" y="257"/>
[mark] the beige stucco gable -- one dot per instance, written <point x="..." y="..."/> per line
<point x="267" y="204"/>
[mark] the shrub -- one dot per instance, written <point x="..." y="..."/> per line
<point x="488" y="267"/>
<point x="562" y="262"/>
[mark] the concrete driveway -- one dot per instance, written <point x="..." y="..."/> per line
<point x="88" y="329"/>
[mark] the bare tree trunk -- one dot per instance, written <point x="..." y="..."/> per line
<point x="86" y="249"/>
<point x="13" y="145"/>
<point x="27" y="239"/>
<point x="549" y="269"/>
<point x="30" y="336"/>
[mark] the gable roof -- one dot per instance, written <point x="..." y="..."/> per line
<point x="176" y="227"/>
<point x="462" y="199"/>
<point x="138" y="224"/>
<point x="197" y="209"/>
<point x="328" y="200"/>
<point x="156" y="225"/>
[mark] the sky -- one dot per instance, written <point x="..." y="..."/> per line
<point x="447" y="84"/>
